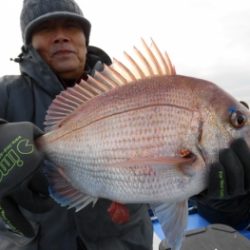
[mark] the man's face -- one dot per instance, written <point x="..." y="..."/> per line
<point x="62" y="45"/>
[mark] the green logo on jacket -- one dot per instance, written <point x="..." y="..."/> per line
<point x="12" y="155"/>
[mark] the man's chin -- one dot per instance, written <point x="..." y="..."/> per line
<point x="69" y="71"/>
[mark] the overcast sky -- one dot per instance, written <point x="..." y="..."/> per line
<point x="209" y="39"/>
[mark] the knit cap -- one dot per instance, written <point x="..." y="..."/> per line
<point x="34" y="12"/>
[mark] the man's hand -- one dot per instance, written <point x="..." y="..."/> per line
<point x="19" y="157"/>
<point x="230" y="176"/>
<point x="22" y="184"/>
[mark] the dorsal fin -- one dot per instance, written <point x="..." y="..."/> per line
<point x="147" y="62"/>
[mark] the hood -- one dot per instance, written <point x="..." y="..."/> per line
<point x="32" y="64"/>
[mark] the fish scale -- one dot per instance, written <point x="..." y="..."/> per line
<point x="127" y="141"/>
<point x="82" y="159"/>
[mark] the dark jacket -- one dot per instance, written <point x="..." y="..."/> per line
<point x="26" y="97"/>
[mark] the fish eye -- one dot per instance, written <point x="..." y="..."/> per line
<point x="238" y="119"/>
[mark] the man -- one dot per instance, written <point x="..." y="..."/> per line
<point x="55" y="56"/>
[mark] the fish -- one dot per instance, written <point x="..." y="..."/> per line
<point x="138" y="132"/>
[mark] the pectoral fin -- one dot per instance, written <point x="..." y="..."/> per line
<point x="173" y="220"/>
<point x="63" y="192"/>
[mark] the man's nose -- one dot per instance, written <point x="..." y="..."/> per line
<point x="60" y="36"/>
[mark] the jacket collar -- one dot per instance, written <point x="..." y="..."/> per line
<point x="32" y="64"/>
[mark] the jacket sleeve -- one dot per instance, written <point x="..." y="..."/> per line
<point x="9" y="240"/>
<point x="234" y="212"/>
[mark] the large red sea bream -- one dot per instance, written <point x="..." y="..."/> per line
<point x="140" y="133"/>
